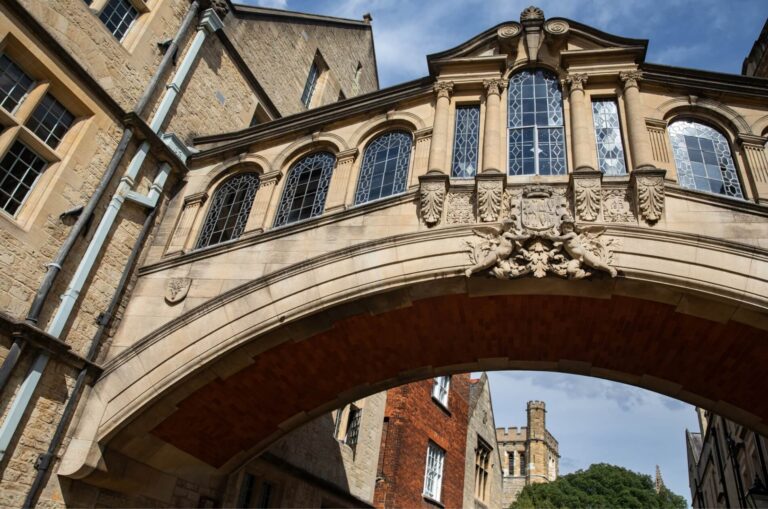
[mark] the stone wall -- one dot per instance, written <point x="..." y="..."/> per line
<point x="482" y="424"/>
<point x="283" y="70"/>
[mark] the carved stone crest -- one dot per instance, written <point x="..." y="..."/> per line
<point x="432" y="191"/>
<point x="176" y="289"/>
<point x="570" y="252"/>
<point x="459" y="208"/>
<point x="617" y="206"/>
<point x="541" y="209"/>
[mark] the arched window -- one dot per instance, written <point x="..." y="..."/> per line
<point x="703" y="159"/>
<point x="306" y="188"/>
<point x="385" y="167"/>
<point x="229" y="210"/>
<point x="536" y="137"/>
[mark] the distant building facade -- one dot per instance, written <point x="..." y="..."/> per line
<point x="529" y="455"/>
<point x="727" y="463"/>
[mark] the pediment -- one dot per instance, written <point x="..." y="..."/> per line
<point x="534" y="37"/>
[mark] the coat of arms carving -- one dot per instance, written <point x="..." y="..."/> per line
<point x="544" y="240"/>
<point x="176" y="289"/>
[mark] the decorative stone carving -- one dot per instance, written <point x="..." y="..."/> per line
<point x="220" y="7"/>
<point x="587" y="194"/>
<point x="508" y="253"/>
<point x="490" y="194"/>
<point x="176" y="289"/>
<point x="617" y="206"/>
<point x="576" y="81"/>
<point x="494" y="86"/>
<point x="459" y="208"/>
<point x="541" y="209"/>
<point x="556" y="27"/>
<point x="432" y="190"/>
<point x="443" y="89"/>
<point x="649" y="189"/>
<point x="630" y="78"/>
<point x="532" y="13"/>
<point x="509" y="31"/>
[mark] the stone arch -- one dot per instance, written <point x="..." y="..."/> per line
<point x="383" y="123"/>
<point x="307" y="144"/>
<point x="722" y="116"/>
<point x="222" y="171"/>
<point x="710" y="287"/>
<point x="760" y="127"/>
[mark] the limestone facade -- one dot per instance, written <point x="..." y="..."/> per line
<point x="727" y="464"/>
<point x="529" y="454"/>
<point x="483" y="465"/>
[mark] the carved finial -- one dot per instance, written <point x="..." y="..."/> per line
<point x="630" y="78"/>
<point x="531" y="13"/>
<point x="494" y="86"/>
<point x="367" y="18"/>
<point x="443" y="88"/>
<point x="576" y="81"/>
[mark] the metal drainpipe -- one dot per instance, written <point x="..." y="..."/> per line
<point x="85" y="216"/>
<point x="45" y="460"/>
<point x="209" y="23"/>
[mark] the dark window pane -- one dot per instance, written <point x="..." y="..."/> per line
<point x="306" y="188"/>
<point x="14" y="84"/>
<point x="50" y="121"/>
<point x="118" y="16"/>
<point x="18" y="171"/>
<point x="229" y="210"/>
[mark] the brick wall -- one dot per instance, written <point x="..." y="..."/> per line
<point x="414" y="419"/>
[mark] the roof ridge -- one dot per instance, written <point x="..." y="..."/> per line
<point x="283" y="13"/>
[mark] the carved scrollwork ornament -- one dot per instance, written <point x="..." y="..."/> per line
<point x="489" y="197"/>
<point x="588" y="198"/>
<point x="630" y="78"/>
<point x="431" y="199"/>
<point x="556" y="27"/>
<point x="494" y="86"/>
<point x="576" y="81"/>
<point x="443" y="89"/>
<point x="509" y="31"/>
<point x="617" y="206"/>
<point x="650" y="197"/>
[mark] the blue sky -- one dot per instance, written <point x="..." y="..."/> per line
<point x="594" y="420"/>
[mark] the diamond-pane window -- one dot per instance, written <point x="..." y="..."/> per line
<point x="465" y="141"/>
<point x="14" y="84"/>
<point x="703" y="159"/>
<point x="229" y="210"/>
<point x="384" y="169"/>
<point x="610" y="149"/>
<point x="309" y="86"/>
<point x="118" y="16"/>
<point x="50" y="121"/>
<point x="306" y="188"/>
<point x="535" y="121"/>
<point x="19" y="170"/>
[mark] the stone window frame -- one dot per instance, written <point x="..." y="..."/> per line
<point x="319" y="63"/>
<point x="370" y="139"/>
<point x="131" y="37"/>
<point x="275" y="218"/>
<point x="13" y="125"/>
<point x="714" y="123"/>
<point x="214" y="202"/>
<point x="483" y="452"/>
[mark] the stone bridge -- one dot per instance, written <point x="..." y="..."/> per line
<point x="636" y="277"/>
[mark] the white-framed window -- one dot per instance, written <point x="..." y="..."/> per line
<point x="433" y="473"/>
<point x="440" y="389"/>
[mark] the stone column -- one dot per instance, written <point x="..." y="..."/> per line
<point x="181" y="239"/>
<point x="580" y="129"/>
<point x="638" y="137"/>
<point x="421" y="139"/>
<point x="340" y="180"/>
<point x="491" y="132"/>
<point x="258" y="216"/>
<point x="437" y="150"/>
<point x="753" y="148"/>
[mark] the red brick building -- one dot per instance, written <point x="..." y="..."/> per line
<point x="423" y="444"/>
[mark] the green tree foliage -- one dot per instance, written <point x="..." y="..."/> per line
<point x="599" y="486"/>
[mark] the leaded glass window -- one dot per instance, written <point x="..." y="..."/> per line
<point x="384" y="169"/>
<point x="118" y="16"/>
<point x="536" y="135"/>
<point x="703" y="159"/>
<point x="229" y="210"/>
<point x="433" y="473"/>
<point x="50" y="121"/>
<point x="610" y="149"/>
<point x="309" y="86"/>
<point x="306" y="188"/>
<point x="19" y="170"/>
<point x="465" y="141"/>
<point x="14" y="84"/>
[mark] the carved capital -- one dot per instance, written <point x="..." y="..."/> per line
<point x="443" y="89"/>
<point x="347" y="156"/>
<point x="196" y="199"/>
<point x="630" y="78"/>
<point x="490" y="193"/>
<point x="423" y="134"/>
<point x="750" y="140"/>
<point x="587" y="193"/>
<point x="576" y="81"/>
<point x="649" y="190"/>
<point x="271" y="178"/>
<point x="494" y="87"/>
<point x="432" y="190"/>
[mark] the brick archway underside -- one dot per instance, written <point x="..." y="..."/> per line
<point x="637" y="338"/>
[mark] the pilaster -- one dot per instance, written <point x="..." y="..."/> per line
<point x="258" y="216"/>
<point x="422" y="139"/>
<point x="181" y="240"/>
<point x="753" y="148"/>
<point x="340" y="180"/>
<point x="492" y="129"/>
